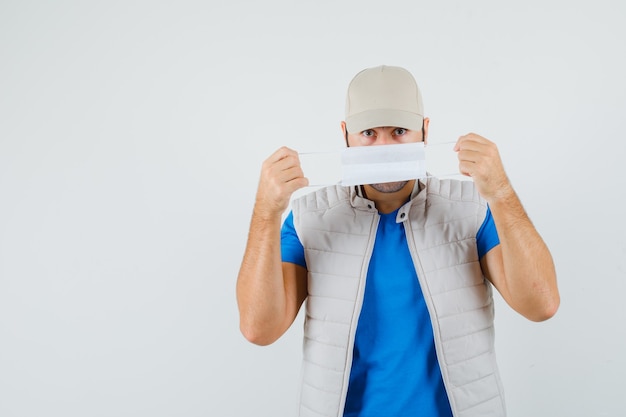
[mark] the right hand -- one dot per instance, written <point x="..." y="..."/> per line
<point x="281" y="175"/>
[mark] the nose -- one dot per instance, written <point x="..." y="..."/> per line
<point x="384" y="138"/>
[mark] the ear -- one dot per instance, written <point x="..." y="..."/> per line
<point x="344" y="132"/>
<point x="426" y="123"/>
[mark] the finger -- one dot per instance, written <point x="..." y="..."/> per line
<point x="287" y="166"/>
<point x="471" y="140"/>
<point x="457" y="145"/>
<point x="475" y="156"/>
<point x="296" y="184"/>
<point x="290" y="174"/>
<point x="278" y="174"/>
<point x="478" y="151"/>
<point x="467" y="168"/>
<point x="281" y="153"/>
<point x="477" y="165"/>
<point x="462" y="142"/>
<point x="280" y="161"/>
<point x="474" y="137"/>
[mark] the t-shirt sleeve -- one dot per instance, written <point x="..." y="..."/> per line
<point x="290" y="247"/>
<point x="487" y="236"/>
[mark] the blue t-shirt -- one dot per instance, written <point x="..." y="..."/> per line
<point x="395" y="371"/>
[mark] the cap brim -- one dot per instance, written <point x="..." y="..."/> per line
<point x="383" y="117"/>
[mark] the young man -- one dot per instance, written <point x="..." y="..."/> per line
<point x="397" y="276"/>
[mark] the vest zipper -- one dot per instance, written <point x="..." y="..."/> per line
<point x="357" y="312"/>
<point x="431" y="309"/>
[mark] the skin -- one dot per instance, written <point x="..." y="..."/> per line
<point x="270" y="292"/>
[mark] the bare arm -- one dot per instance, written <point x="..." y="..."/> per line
<point x="270" y="292"/>
<point x="521" y="267"/>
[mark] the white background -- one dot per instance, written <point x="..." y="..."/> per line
<point x="131" y="139"/>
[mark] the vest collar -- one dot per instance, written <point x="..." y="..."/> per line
<point x="417" y="198"/>
<point x="359" y="202"/>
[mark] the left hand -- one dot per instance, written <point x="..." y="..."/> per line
<point x="479" y="158"/>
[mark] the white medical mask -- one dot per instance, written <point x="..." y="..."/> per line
<point x="384" y="163"/>
<point x="360" y="165"/>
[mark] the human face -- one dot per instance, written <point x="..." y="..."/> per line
<point x="386" y="135"/>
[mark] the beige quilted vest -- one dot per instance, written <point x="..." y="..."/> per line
<point x="337" y="228"/>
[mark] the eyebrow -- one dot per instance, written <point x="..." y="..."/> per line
<point x="385" y="127"/>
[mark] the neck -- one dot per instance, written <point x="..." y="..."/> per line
<point x="389" y="202"/>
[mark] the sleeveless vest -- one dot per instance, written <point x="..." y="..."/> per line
<point x="337" y="228"/>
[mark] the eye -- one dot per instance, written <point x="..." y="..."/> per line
<point x="368" y="133"/>
<point x="400" y="131"/>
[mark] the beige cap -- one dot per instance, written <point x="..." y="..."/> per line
<point x="383" y="96"/>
